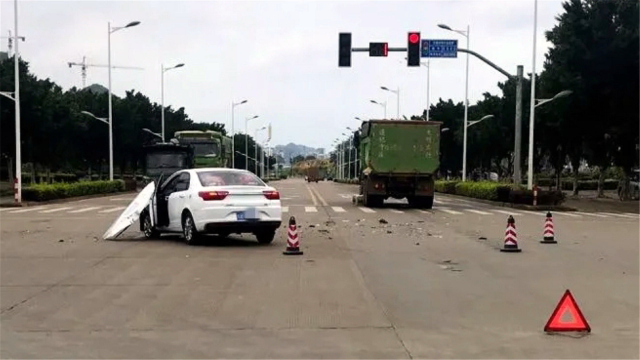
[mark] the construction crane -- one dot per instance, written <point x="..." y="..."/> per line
<point x="83" y="67"/>
<point x="11" y="38"/>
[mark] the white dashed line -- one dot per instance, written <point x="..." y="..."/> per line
<point x="507" y="212"/>
<point x="285" y="209"/>
<point x="84" y="209"/>
<point x="310" y="209"/>
<point x="338" y="209"/>
<point x="396" y="211"/>
<point x="27" y="210"/>
<point x="478" y="212"/>
<point x="449" y="211"/>
<point x="591" y="214"/>
<point x="111" y="210"/>
<point x="366" y="210"/>
<point x="56" y="210"/>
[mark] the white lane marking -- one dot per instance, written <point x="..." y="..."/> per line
<point x="310" y="209"/>
<point x="338" y="209"/>
<point x="84" y="209"/>
<point x="425" y="211"/>
<point x="396" y="211"/>
<point x="56" y="210"/>
<point x="590" y="214"/>
<point x="507" y="212"/>
<point x="367" y="210"/>
<point x="449" y="211"/>
<point x="477" y="212"/>
<point x="111" y="210"/>
<point x="27" y="210"/>
<point x="5" y="209"/>
<point x="346" y="196"/>
<point x="443" y="202"/>
<point x="632" y="214"/>
<point x="566" y="214"/>
<point x="121" y="199"/>
<point x="620" y="215"/>
<point x="285" y="209"/>
<point x="534" y="213"/>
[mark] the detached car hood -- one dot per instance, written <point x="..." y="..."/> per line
<point x="132" y="213"/>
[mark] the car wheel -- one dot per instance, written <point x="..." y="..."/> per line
<point x="189" y="231"/>
<point x="147" y="229"/>
<point x="266" y="237"/>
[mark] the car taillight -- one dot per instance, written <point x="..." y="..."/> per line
<point x="213" y="195"/>
<point x="271" y="195"/>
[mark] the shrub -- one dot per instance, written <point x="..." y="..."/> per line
<point x="44" y="192"/>
<point x="487" y="190"/>
<point x="446" y="186"/>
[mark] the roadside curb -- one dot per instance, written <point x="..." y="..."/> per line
<point x="66" y="200"/>
<point x="514" y="206"/>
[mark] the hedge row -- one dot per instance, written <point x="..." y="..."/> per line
<point x="502" y="192"/>
<point x="44" y="192"/>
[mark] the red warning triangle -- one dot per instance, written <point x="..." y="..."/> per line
<point x="567" y="316"/>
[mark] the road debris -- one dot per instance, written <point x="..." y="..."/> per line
<point x="61" y="240"/>
<point x="383" y="221"/>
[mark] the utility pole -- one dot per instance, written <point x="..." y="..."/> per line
<point x="517" y="173"/>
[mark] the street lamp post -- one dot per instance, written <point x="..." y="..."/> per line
<point x="466" y="98"/>
<point x="256" y="148"/>
<point x="561" y="94"/>
<point x="16" y="60"/>
<point x="246" y="141"/>
<point x="383" y="104"/>
<point x="162" y="71"/>
<point x="233" y="135"/>
<point x="397" y="92"/>
<point x="111" y="31"/>
<point x="486" y="117"/>
<point x="428" y="66"/>
<point x="153" y="133"/>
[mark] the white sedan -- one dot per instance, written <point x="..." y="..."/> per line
<point x="201" y="201"/>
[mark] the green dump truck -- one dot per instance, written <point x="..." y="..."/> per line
<point x="400" y="159"/>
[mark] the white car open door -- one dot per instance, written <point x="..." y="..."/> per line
<point x="132" y="213"/>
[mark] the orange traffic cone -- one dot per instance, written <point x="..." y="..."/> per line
<point x="293" y="243"/>
<point x="549" y="235"/>
<point x="510" y="237"/>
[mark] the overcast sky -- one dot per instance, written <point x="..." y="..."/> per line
<point x="280" y="56"/>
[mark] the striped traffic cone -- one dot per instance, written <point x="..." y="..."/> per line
<point x="293" y="243"/>
<point x="549" y="235"/>
<point x="510" y="237"/>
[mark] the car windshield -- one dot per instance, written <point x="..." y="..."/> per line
<point x="203" y="149"/>
<point x="228" y="178"/>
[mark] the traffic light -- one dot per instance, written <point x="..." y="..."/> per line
<point x="378" y="49"/>
<point x="413" y="49"/>
<point x="344" y="59"/>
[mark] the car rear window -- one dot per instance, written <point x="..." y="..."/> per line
<point x="228" y="178"/>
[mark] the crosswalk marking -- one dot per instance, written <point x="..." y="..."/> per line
<point x="310" y="209"/>
<point x="507" y="212"/>
<point x="396" y="211"/>
<point x="449" y="211"/>
<point x="367" y="210"/>
<point x="285" y="209"/>
<point x="85" y="209"/>
<point x="425" y="211"/>
<point x="26" y="210"/>
<point x="56" y="210"/>
<point x="442" y="202"/>
<point x="567" y="214"/>
<point x="478" y="212"/>
<point x="338" y="209"/>
<point x="591" y="214"/>
<point x="535" y="213"/>
<point x="619" y="215"/>
<point x="111" y="210"/>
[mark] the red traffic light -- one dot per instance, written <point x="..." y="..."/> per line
<point x="414" y="37"/>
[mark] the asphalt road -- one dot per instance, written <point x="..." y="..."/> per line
<point x="427" y="284"/>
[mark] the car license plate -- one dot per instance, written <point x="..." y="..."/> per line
<point x="240" y="215"/>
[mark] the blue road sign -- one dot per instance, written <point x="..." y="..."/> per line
<point x="439" y="48"/>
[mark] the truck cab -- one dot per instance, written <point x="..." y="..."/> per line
<point x="166" y="158"/>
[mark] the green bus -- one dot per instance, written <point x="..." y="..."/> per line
<point x="211" y="148"/>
